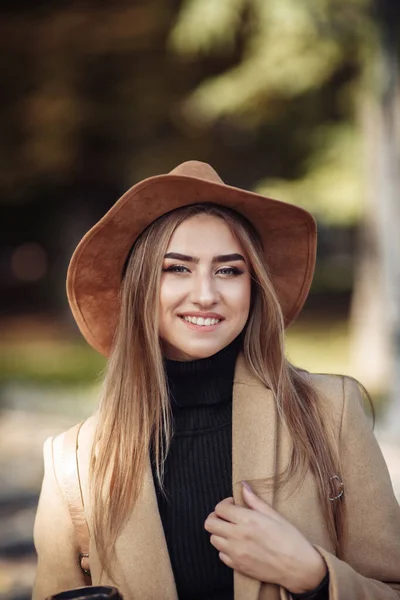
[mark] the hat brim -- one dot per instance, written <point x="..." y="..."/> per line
<point x="94" y="276"/>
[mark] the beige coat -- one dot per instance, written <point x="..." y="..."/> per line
<point x="371" y="566"/>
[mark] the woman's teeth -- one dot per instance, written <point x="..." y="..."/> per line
<point x="201" y="321"/>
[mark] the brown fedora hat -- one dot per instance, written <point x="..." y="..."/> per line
<point x="94" y="276"/>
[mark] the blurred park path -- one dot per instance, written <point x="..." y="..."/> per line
<point x="24" y="425"/>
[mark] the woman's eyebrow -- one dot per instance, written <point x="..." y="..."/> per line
<point x="228" y="258"/>
<point x="216" y="259"/>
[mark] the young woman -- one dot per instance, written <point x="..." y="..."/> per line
<point x="213" y="468"/>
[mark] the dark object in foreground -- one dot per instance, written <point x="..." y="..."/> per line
<point x="94" y="592"/>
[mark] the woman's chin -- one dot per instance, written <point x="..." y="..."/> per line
<point x="196" y="351"/>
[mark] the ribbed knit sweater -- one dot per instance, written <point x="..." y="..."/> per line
<point x="198" y="471"/>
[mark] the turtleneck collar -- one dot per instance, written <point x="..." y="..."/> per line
<point x="202" y="382"/>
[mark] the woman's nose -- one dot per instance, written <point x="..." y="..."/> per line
<point x="204" y="291"/>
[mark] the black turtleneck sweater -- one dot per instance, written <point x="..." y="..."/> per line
<point x="198" y="471"/>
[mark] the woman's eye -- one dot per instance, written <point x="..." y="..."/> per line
<point x="176" y="269"/>
<point x="230" y="271"/>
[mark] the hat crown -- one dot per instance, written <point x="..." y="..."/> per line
<point x="197" y="169"/>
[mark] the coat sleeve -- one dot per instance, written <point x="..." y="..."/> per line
<point x="58" y="566"/>
<point x="370" y="565"/>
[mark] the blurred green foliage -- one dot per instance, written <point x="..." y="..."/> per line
<point x="67" y="363"/>
<point x="291" y="51"/>
<point x="289" y="47"/>
<point x="332" y="185"/>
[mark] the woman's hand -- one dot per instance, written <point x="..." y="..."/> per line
<point x="261" y="544"/>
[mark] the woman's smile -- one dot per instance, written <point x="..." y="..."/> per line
<point x="204" y="323"/>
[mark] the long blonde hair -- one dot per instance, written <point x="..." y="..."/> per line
<point x="134" y="411"/>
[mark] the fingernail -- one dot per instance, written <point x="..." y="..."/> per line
<point x="246" y="485"/>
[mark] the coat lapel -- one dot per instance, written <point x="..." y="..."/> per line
<point x="150" y="573"/>
<point x="142" y="567"/>
<point x="254" y="435"/>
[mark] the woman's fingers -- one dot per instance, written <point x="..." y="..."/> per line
<point x="218" y="526"/>
<point x="226" y="559"/>
<point x="236" y="514"/>
<point x="229" y="511"/>
<point x="256" y="503"/>
<point x="219" y="543"/>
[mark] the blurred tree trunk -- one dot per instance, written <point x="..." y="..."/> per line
<point x="370" y="347"/>
<point x="388" y="215"/>
<point x="376" y="306"/>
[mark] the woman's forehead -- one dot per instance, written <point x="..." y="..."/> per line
<point x="202" y="235"/>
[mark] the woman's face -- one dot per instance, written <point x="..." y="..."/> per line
<point x="205" y="289"/>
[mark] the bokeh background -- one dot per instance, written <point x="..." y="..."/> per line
<point x="296" y="100"/>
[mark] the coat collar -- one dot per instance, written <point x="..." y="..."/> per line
<point x="142" y="567"/>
